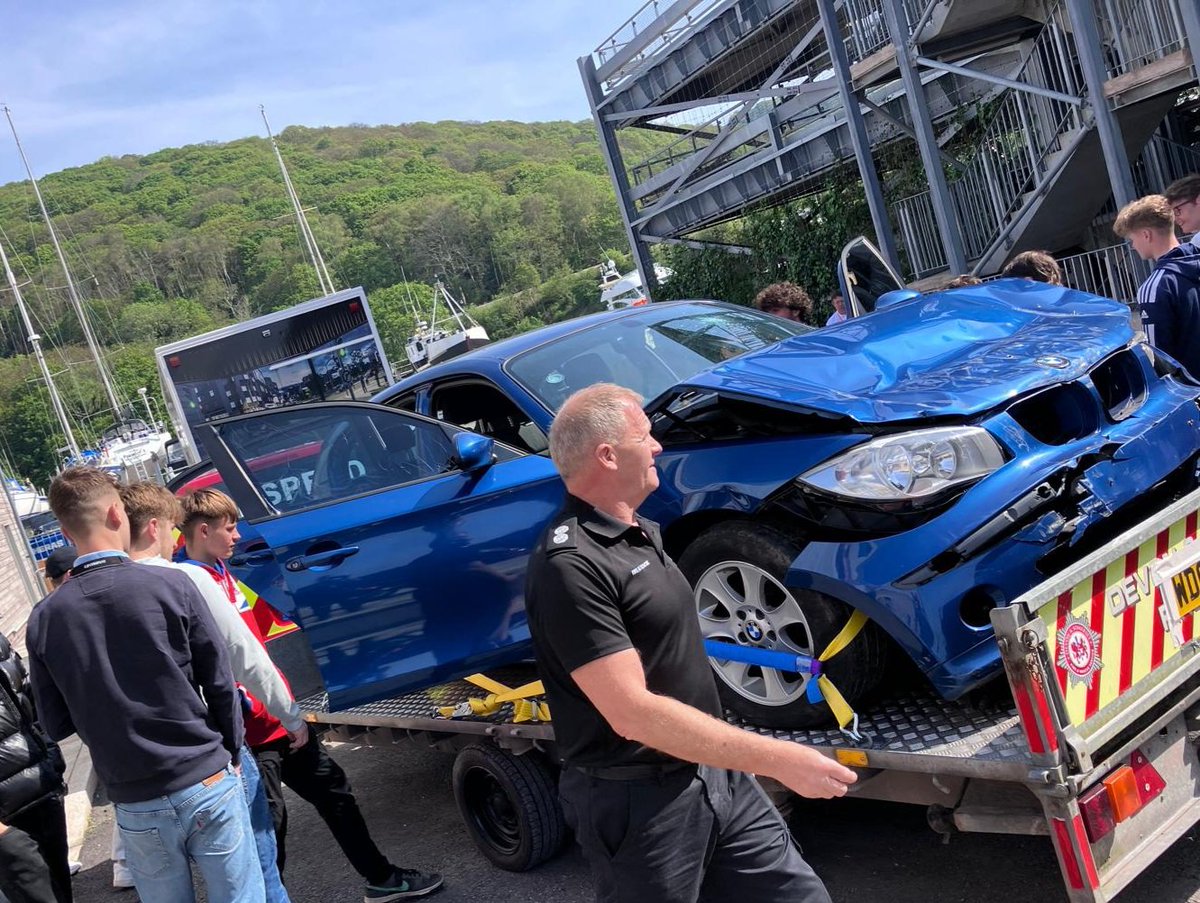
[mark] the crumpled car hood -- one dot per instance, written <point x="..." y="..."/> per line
<point x="945" y="354"/>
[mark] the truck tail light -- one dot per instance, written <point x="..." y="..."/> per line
<point x="1120" y="795"/>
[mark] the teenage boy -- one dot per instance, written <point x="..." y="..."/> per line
<point x="210" y="533"/>
<point x="1169" y="300"/>
<point x="1184" y="197"/>
<point x="129" y="658"/>
<point x="153" y="513"/>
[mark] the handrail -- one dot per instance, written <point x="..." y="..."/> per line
<point x="629" y="45"/>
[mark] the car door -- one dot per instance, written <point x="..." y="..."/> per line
<point x="403" y="567"/>
<point x="864" y="276"/>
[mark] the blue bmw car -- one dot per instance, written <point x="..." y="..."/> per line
<point x="924" y="462"/>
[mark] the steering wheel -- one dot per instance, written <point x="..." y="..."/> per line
<point x="325" y="484"/>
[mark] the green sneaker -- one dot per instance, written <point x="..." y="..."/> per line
<point x="404" y="884"/>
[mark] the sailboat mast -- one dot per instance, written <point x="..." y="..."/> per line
<point x="88" y="335"/>
<point x="35" y="341"/>
<point x="310" y="241"/>
<point x="453" y="306"/>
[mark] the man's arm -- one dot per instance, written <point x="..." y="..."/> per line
<point x="210" y="665"/>
<point x="616" y="686"/>
<point x="51" y="707"/>
<point x="251" y="664"/>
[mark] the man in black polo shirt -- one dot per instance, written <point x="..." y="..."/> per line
<point x="654" y="785"/>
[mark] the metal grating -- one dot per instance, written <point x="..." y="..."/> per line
<point x="913" y="724"/>
<point x="422" y="704"/>
<point x="924" y="724"/>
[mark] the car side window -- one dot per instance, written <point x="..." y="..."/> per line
<point x="482" y="408"/>
<point x="405" y="402"/>
<point x="300" y="458"/>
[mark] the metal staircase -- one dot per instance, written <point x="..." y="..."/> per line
<point x="1030" y="182"/>
<point x="765" y="97"/>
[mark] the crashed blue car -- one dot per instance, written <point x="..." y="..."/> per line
<point x="928" y="460"/>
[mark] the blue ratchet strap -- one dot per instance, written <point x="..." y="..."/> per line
<point x="819" y="687"/>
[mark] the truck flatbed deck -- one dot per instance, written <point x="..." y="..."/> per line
<point x="916" y="732"/>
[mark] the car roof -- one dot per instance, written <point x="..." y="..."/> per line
<point x="492" y="357"/>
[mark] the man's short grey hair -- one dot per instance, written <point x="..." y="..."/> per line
<point x="588" y="419"/>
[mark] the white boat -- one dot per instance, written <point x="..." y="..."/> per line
<point x="132" y="442"/>
<point x="627" y="290"/>
<point x="26" y="500"/>
<point x="432" y="342"/>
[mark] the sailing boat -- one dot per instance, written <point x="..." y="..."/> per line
<point x="431" y="343"/>
<point x="131" y="442"/>
<point x="35" y="342"/>
<point x="306" y="233"/>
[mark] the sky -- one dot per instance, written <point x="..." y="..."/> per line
<point x="86" y="80"/>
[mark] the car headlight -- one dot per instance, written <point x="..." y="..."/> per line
<point x="909" y="465"/>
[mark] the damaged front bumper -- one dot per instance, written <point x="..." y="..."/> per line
<point x="932" y="587"/>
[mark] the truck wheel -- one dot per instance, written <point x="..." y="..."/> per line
<point x="736" y="570"/>
<point x="509" y="805"/>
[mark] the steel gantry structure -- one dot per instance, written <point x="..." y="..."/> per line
<point x="759" y="101"/>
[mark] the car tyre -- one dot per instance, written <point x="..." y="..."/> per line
<point x="510" y="806"/>
<point x="737" y="570"/>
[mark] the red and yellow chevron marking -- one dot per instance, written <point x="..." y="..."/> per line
<point x="1121" y="605"/>
<point x="270" y="622"/>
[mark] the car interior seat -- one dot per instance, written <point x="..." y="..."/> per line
<point x="398" y="460"/>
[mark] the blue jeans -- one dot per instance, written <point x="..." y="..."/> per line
<point x="209" y="825"/>
<point x="264" y="828"/>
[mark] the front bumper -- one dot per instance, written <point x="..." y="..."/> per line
<point x="930" y="587"/>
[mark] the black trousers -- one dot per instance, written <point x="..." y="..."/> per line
<point x="33" y="855"/>
<point x="694" y="834"/>
<point x="316" y="778"/>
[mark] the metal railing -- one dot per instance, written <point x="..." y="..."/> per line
<point x="1160" y="163"/>
<point x="792" y="113"/>
<point x="1017" y="154"/>
<point x="1112" y="272"/>
<point x="1013" y="157"/>
<point x="649" y="15"/>
<point x="865" y="25"/>
<point x="1137" y="32"/>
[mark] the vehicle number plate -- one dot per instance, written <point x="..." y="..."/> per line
<point x="1186" y="584"/>
<point x="1179" y="580"/>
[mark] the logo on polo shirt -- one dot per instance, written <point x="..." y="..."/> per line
<point x="641" y="567"/>
<point x="560" y="534"/>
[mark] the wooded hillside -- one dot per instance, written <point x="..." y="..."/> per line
<point x="173" y="243"/>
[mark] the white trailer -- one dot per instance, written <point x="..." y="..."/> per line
<point x="322" y="350"/>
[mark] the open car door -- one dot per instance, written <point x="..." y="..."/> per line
<point x="402" y="541"/>
<point x="864" y="276"/>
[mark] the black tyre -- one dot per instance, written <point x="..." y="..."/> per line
<point x="510" y="806"/>
<point x="736" y="570"/>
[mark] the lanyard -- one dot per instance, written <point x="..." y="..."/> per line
<point x="97" y="563"/>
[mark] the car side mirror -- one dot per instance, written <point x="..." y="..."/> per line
<point x="474" y="452"/>
<point x="888" y="299"/>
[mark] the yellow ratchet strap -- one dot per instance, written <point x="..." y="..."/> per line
<point x="841" y="709"/>
<point x="526" y="705"/>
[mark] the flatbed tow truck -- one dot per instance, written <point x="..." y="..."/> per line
<point x="1090" y="741"/>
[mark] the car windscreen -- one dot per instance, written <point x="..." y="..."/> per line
<point x="648" y="353"/>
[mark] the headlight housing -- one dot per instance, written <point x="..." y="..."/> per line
<point x="909" y="466"/>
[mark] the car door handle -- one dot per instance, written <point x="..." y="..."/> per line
<point x="259" y="556"/>
<point x="317" y="559"/>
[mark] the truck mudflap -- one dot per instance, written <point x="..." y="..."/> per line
<point x="1102" y="666"/>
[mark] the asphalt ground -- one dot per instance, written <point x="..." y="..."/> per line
<point x="865" y="850"/>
